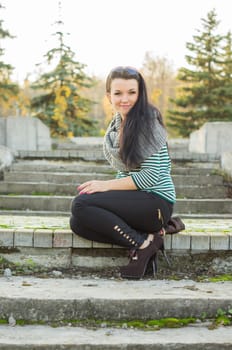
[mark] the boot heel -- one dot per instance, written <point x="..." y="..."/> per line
<point x="165" y="256"/>
<point x="155" y="264"/>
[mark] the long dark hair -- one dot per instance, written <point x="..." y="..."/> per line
<point x="138" y="125"/>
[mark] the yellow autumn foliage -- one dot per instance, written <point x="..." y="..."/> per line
<point x="107" y="110"/>
<point x="155" y="94"/>
<point x="15" y="104"/>
<point x="62" y="93"/>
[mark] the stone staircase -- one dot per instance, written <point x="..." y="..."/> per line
<point x="95" y="310"/>
<point x="46" y="182"/>
<point x="36" y="194"/>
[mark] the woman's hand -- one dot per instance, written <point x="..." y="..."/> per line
<point x="93" y="186"/>
<point x="125" y="183"/>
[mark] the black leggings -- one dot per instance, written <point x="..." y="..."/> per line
<point x="120" y="217"/>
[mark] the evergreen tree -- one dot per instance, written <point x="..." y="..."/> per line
<point x="60" y="103"/>
<point x="224" y="91"/>
<point x="7" y="87"/>
<point x="201" y="94"/>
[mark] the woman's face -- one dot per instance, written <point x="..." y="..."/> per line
<point x="123" y="95"/>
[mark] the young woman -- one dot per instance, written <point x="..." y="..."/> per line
<point x="132" y="209"/>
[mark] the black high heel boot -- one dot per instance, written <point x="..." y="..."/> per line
<point x="141" y="257"/>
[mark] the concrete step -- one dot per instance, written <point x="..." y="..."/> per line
<point x="62" y="204"/>
<point x="96" y="154"/>
<point x="80" y="338"/>
<point x="77" y="338"/>
<point x="200" y="192"/>
<point x="86" y="298"/>
<point x="30" y="188"/>
<point x="188" y="170"/>
<point x="60" y="166"/>
<point x="204" y="206"/>
<point x="84" y="154"/>
<point x="65" y="177"/>
<point x="36" y="241"/>
<point x="49" y="213"/>
<point x="23" y="221"/>
<point x="35" y="188"/>
<point x="60" y="178"/>
<point x="90" y="167"/>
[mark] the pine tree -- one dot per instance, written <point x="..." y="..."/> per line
<point x="224" y="91"/>
<point x="199" y="99"/>
<point x="7" y="87"/>
<point x="60" y="103"/>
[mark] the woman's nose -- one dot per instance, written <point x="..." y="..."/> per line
<point x="125" y="97"/>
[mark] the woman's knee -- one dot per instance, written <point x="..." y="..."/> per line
<point x="78" y="202"/>
<point x="73" y="224"/>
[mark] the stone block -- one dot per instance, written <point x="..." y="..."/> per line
<point x="100" y="262"/>
<point x="24" y="133"/>
<point x="62" y="239"/>
<point x="43" y="238"/>
<point x="101" y="245"/>
<point x="181" y="241"/>
<point x="212" y="137"/>
<point x="200" y="241"/>
<point x="219" y="241"/>
<point x="79" y="242"/>
<point x="6" y="237"/>
<point x="23" y="238"/>
<point x="53" y="258"/>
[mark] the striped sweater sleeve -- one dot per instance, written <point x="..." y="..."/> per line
<point x="154" y="175"/>
<point x="148" y="175"/>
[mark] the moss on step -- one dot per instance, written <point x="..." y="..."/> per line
<point x="222" y="318"/>
<point x="221" y="278"/>
<point x="94" y="323"/>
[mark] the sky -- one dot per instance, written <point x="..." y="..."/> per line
<point x="105" y="33"/>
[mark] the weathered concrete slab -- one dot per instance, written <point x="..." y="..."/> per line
<point x="36" y="299"/>
<point x="70" y="338"/>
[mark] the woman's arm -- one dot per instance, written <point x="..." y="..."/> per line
<point x="147" y="176"/>
<point x="125" y="183"/>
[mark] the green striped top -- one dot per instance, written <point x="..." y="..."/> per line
<point x="154" y="175"/>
